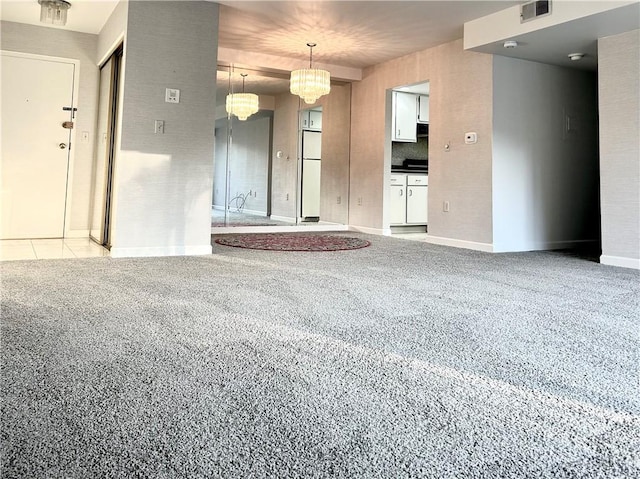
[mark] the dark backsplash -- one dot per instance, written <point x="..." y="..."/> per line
<point x="400" y="151"/>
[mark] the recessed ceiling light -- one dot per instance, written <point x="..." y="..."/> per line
<point x="510" y="44"/>
<point x="575" y="56"/>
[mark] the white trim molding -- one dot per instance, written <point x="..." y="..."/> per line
<point x="77" y="234"/>
<point x="199" y="250"/>
<point x="633" y="263"/>
<point x="371" y="231"/>
<point x="543" y="246"/>
<point x="456" y="243"/>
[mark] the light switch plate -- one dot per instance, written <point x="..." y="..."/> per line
<point x="172" y="95"/>
<point x="159" y="127"/>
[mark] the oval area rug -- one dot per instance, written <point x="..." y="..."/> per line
<point x="293" y="242"/>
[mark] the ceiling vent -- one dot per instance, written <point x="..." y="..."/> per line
<point x="531" y="10"/>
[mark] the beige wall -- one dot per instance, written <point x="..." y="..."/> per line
<point x="163" y="182"/>
<point x="619" y="101"/>
<point x="460" y="101"/>
<point x="53" y="42"/>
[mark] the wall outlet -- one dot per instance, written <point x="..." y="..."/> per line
<point x="287" y="197"/>
<point x="172" y="95"/>
<point x="359" y="200"/>
<point x="339" y="200"/>
<point x="445" y="206"/>
<point x="85" y="137"/>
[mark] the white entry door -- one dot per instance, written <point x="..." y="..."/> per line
<point x="35" y="158"/>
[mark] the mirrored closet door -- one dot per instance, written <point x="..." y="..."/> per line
<point x="287" y="163"/>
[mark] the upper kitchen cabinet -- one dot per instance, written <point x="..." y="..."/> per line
<point x="423" y="109"/>
<point x="405" y="111"/>
<point x="312" y="120"/>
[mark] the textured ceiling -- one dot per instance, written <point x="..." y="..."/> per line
<point x="348" y="33"/>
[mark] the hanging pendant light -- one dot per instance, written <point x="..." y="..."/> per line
<point x="310" y="83"/>
<point x="54" y="11"/>
<point x="242" y="105"/>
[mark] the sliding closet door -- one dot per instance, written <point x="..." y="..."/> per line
<point x="105" y="157"/>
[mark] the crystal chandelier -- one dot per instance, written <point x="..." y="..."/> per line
<point x="242" y="105"/>
<point x="54" y="11"/>
<point x="310" y="83"/>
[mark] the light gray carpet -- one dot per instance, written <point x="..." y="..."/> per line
<point x="399" y="360"/>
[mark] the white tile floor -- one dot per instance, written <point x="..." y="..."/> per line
<point x="12" y="250"/>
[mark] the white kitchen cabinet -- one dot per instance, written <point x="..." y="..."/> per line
<point x="423" y="109"/>
<point x="408" y="203"/>
<point x="417" y="206"/>
<point x="405" y="116"/>
<point x="398" y="202"/>
<point x="312" y="120"/>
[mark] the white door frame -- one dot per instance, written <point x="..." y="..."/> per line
<point x="74" y="103"/>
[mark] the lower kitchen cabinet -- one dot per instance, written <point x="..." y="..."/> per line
<point x="408" y="203"/>
<point x="417" y="186"/>
<point x="398" y="205"/>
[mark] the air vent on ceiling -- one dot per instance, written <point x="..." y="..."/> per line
<point x="531" y="10"/>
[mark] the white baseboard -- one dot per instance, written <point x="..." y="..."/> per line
<point x="456" y="243"/>
<point x="371" y="231"/>
<point x="621" y="261"/>
<point x="288" y="219"/>
<point x="77" y="234"/>
<point x="198" y="250"/>
<point x="543" y="246"/>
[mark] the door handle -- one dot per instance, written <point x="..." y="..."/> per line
<point x="410" y="192"/>
<point x="400" y="192"/>
<point x="62" y="146"/>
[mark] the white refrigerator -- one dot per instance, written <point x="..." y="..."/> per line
<point x="311" y="166"/>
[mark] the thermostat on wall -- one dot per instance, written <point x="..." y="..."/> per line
<point x="172" y="95"/>
<point x="470" y="137"/>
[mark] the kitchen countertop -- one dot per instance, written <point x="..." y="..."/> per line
<point x="409" y="170"/>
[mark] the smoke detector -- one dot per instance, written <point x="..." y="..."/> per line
<point x="575" y="56"/>
<point x="510" y="44"/>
